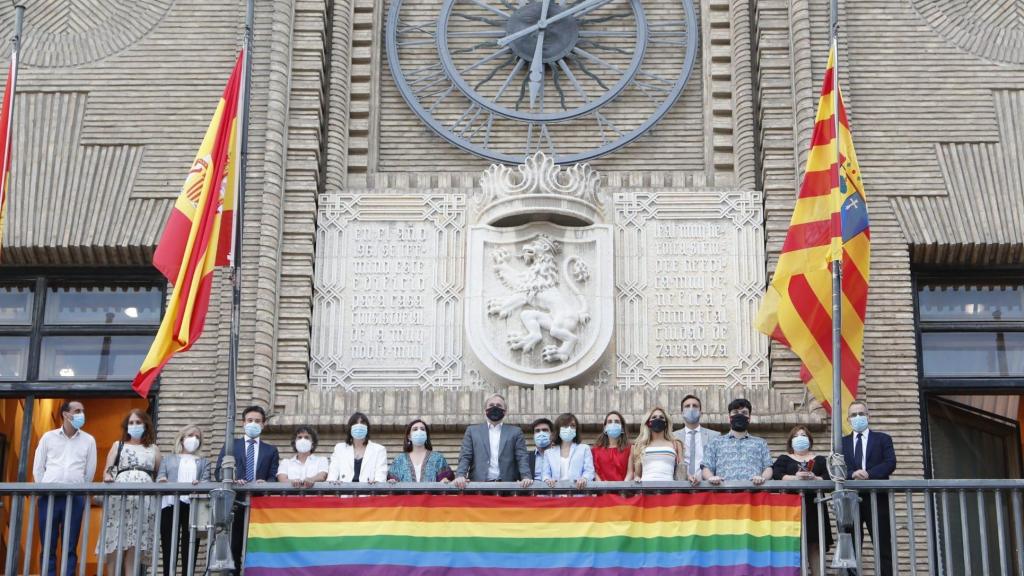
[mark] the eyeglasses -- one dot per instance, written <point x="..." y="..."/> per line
<point x="744" y="412"/>
<point x="855" y="414"/>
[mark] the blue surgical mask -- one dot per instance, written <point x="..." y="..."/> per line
<point x="567" y="433"/>
<point x="613" y="429"/>
<point x="691" y="415"/>
<point x="859" y="423"/>
<point x="801" y="443"/>
<point x="418" y="437"/>
<point x="78" y="420"/>
<point x="136" y="430"/>
<point x="253" y="430"/>
<point x="359" y="431"/>
<point x="542" y="439"/>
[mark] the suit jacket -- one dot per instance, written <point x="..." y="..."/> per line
<point x="535" y="466"/>
<point x="475" y="455"/>
<point x="880" y="456"/>
<point x="267" y="460"/>
<point x="581" y="462"/>
<point x="169" y="468"/>
<point x="706" y="436"/>
<point x="343" y="463"/>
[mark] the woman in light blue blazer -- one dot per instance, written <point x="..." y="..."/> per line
<point x="568" y="459"/>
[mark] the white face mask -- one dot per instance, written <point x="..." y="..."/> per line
<point x="190" y="444"/>
<point x="304" y="445"/>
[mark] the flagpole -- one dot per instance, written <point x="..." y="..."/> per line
<point x="843" y="500"/>
<point x="222" y="560"/>
<point x="837" y="260"/>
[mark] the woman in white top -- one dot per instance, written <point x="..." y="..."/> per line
<point x="568" y="459"/>
<point x="357" y="459"/>
<point x="657" y="456"/>
<point x="183" y="465"/>
<point x="305" y="468"/>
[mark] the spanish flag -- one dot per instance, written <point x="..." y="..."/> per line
<point x="199" y="233"/>
<point x="6" y="140"/>
<point x="830" y="221"/>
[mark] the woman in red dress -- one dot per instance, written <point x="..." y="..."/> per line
<point x="611" y="451"/>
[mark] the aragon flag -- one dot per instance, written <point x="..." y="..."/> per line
<point x="6" y="141"/>
<point x="830" y="221"/>
<point x="198" y="235"/>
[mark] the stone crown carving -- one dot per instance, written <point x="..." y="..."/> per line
<point x="539" y="186"/>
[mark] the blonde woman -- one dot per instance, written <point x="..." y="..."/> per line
<point x="656" y="455"/>
<point x="185" y="464"/>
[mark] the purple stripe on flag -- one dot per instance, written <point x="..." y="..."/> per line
<point x="396" y="570"/>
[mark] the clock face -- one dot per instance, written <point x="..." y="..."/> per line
<point x="576" y="79"/>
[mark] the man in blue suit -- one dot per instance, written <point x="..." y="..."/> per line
<point x="870" y="455"/>
<point x="256" y="461"/>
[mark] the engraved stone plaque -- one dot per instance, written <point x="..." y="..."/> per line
<point x="389" y="282"/>
<point x="689" y="278"/>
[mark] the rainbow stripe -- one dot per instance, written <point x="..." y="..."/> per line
<point x="753" y="534"/>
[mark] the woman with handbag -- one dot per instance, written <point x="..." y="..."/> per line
<point x="135" y="458"/>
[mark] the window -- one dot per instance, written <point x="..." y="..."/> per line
<point x="76" y="330"/>
<point x="971" y="333"/>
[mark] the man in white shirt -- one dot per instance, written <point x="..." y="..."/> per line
<point x="66" y="455"/>
<point x="693" y="436"/>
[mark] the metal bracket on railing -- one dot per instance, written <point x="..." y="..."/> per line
<point x="844" y="502"/>
<point x="222" y="501"/>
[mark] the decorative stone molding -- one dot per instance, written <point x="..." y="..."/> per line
<point x="539" y="186"/>
<point x="387" y="309"/>
<point x="689" y="278"/>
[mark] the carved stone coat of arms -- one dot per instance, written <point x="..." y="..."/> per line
<point x="540" y="295"/>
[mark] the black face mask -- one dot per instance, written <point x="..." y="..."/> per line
<point x="657" y="424"/>
<point x="739" y="422"/>
<point x="495" y="413"/>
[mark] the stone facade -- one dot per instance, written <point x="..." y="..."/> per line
<point x="110" y="112"/>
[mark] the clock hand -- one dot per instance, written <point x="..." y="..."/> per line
<point x="586" y="6"/>
<point x="537" y="64"/>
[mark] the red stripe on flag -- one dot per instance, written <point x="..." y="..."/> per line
<point x="807" y="235"/>
<point x="850" y="368"/>
<point x="854" y="287"/>
<point x="814" y="315"/>
<point x="816" y="183"/>
<point x="167" y="258"/>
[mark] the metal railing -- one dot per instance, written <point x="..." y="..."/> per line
<point x="935" y="527"/>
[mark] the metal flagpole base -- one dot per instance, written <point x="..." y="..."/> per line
<point x="843" y="503"/>
<point x="222" y="502"/>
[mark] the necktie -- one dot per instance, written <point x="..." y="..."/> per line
<point x="692" y="469"/>
<point x="250" y="460"/>
<point x="858" y="453"/>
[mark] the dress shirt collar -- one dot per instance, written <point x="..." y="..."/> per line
<point x="492" y="425"/>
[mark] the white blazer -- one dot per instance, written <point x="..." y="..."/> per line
<point x="581" y="462"/>
<point x="375" y="463"/>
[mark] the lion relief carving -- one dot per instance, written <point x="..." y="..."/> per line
<point x="536" y="296"/>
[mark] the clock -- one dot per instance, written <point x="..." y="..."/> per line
<point x="503" y="79"/>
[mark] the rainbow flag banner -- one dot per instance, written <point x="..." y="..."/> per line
<point x="725" y="534"/>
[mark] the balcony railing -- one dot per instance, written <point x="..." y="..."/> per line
<point x="936" y="527"/>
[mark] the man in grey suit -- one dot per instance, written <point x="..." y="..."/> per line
<point x="492" y="452"/>
<point x="694" y="437"/>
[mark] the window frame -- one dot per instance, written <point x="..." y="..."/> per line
<point x="929" y="386"/>
<point x="37" y="330"/>
<point x="964" y="384"/>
